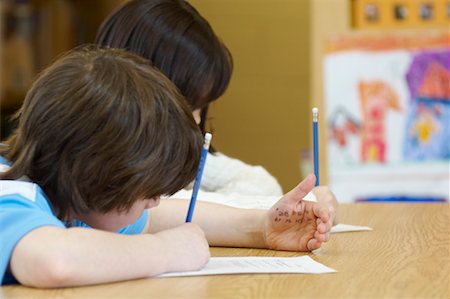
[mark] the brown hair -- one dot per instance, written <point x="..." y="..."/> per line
<point x="178" y="41"/>
<point x="101" y="129"/>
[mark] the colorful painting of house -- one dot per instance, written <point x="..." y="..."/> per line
<point x="428" y="119"/>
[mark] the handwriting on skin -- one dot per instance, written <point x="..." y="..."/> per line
<point x="288" y="217"/>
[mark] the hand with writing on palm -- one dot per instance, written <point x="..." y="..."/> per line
<point x="294" y="224"/>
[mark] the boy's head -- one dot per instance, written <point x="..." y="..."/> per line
<point x="101" y="129"/>
<point x="177" y="40"/>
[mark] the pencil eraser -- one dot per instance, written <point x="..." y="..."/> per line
<point x="207" y="141"/>
<point x="315" y="114"/>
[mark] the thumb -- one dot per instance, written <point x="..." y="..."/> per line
<point x="301" y="189"/>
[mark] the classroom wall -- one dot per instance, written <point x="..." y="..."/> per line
<point x="278" y="46"/>
<point x="264" y="117"/>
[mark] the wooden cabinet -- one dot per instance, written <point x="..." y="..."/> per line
<point x="33" y="33"/>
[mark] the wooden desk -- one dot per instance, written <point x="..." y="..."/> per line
<point x="405" y="256"/>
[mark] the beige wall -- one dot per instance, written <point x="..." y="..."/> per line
<point x="264" y="117"/>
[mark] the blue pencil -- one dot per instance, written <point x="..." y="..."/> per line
<point x="198" y="178"/>
<point x="315" y="117"/>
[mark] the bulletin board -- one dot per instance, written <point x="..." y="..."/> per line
<point x="387" y="102"/>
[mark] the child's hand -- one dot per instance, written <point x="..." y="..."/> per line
<point x="186" y="248"/>
<point x="324" y="195"/>
<point x="295" y="224"/>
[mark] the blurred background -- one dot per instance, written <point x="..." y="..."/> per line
<point x="378" y="70"/>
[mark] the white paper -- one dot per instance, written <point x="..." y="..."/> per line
<point x="237" y="200"/>
<point x="342" y="228"/>
<point x="233" y="200"/>
<point x="253" y="264"/>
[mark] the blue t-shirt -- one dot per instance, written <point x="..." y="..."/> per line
<point x="24" y="207"/>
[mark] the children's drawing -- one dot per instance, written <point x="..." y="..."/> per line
<point x="427" y="125"/>
<point x="387" y="102"/>
<point x="376" y="99"/>
<point x="344" y="128"/>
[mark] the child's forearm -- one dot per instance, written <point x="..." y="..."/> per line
<point x="56" y="257"/>
<point x="223" y="225"/>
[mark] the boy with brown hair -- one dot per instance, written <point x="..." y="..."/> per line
<point x="101" y="136"/>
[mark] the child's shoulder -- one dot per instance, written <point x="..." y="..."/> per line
<point x="23" y="190"/>
<point x="19" y="194"/>
<point x="16" y="189"/>
<point x="4" y="164"/>
<point x="24" y="207"/>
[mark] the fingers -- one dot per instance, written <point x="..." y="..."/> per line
<point x="313" y="244"/>
<point x="318" y="239"/>
<point x="324" y="195"/>
<point x="321" y="211"/>
<point x="302" y="189"/>
<point x="322" y="237"/>
<point x="322" y="233"/>
<point x="323" y="227"/>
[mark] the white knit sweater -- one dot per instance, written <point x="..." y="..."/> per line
<point x="226" y="175"/>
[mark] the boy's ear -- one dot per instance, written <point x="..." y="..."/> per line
<point x="151" y="203"/>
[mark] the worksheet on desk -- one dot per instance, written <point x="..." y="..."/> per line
<point x="253" y="264"/>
